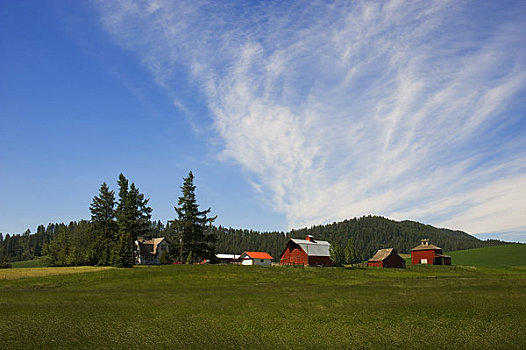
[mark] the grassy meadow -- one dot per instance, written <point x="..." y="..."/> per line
<point x="242" y="307"/>
<point x="508" y="255"/>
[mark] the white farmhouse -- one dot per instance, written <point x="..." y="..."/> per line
<point x="149" y="251"/>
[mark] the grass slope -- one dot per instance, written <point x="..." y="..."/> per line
<point x="497" y="256"/>
<point x="245" y="307"/>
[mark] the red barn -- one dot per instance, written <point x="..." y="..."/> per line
<point x="427" y="253"/>
<point x="306" y="252"/>
<point x="387" y="258"/>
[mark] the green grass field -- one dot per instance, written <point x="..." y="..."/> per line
<point x="497" y="256"/>
<point x="245" y="307"/>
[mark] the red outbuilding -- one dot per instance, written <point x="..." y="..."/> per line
<point x="387" y="258"/>
<point x="427" y="253"/>
<point x="306" y="252"/>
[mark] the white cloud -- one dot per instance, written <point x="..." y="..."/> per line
<point x="396" y="108"/>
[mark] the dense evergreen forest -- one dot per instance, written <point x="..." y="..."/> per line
<point x="369" y="234"/>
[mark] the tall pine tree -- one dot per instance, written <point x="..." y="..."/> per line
<point x="191" y="224"/>
<point x="133" y="220"/>
<point x="103" y="219"/>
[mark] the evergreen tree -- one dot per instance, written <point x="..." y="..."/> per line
<point x="337" y="254"/>
<point x="350" y="252"/>
<point x="194" y="241"/>
<point x="103" y="218"/>
<point x="133" y="220"/>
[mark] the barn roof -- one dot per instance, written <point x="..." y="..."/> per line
<point x="258" y="255"/>
<point x="381" y="254"/>
<point x="426" y="247"/>
<point x="316" y="248"/>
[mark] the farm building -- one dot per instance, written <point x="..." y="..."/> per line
<point x="149" y="251"/>
<point x="427" y="253"/>
<point x="255" y="258"/>
<point x="387" y="258"/>
<point x="306" y="252"/>
<point x="227" y="258"/>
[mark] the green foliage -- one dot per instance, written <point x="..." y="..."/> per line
<point x="4" y="264"/>
<point x="133" y="220"/>
<point x="337" y="254"/>
<point x="350" y="252"/>
<point x="69" y="247"/>
<point x="105" y="227"/>
<point x="189" y="258"/>
<point x="190" y="227"/>
<point x="331" y="308"/>
<point x="165" y="258"/>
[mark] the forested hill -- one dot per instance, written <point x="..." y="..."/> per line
<point x="369" y="233"/>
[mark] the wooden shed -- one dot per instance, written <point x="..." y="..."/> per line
<point x="427" y="253"/>
<point x="306" y="252"/>
<point x="387" y="258"/>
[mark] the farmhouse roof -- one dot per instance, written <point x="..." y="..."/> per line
<point x="258" y="255"/>
<point x="313" y="248"/>
<point x="150" y="245"/>
<point x="381" y="254"/>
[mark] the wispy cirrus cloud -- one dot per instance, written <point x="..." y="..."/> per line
<point x="405" y="109"/>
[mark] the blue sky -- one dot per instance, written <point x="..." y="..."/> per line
<point x="289" y="113"/>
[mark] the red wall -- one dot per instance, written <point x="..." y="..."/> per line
<point x="416" y="255"/>
<point x="294" y="257"/>
<point x="320" y="261"/>
<point x="375" y="263"/>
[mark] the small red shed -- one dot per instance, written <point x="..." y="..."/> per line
<point x="306" y="252"/>
<point x="427" y="253"/>
<point x="387" y="258"/>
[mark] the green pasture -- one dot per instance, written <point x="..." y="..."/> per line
<point x="497" y="256"/>
<point x="246" y="307"/>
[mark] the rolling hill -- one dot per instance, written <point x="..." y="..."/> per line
<point x="496" y="256"/>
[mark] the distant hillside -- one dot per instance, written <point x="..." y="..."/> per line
<point x="369" y="233"/>
<point x="497" y="256"/>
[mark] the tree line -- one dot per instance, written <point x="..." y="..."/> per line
<point x="108" y="238"/>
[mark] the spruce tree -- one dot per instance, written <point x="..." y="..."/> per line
<point x="191" y="225"/>
<point x="133" y="220"/>
<point x="350" y="252"/>
<point x="103" y="219"/>
<point x="337" y="254"/>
